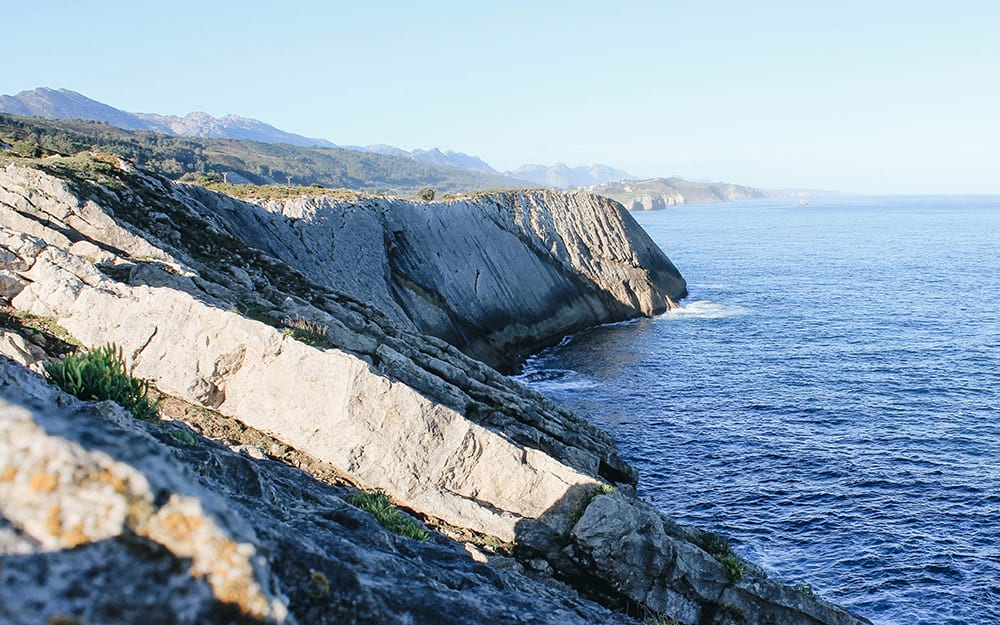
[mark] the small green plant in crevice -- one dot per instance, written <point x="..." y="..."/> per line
<point x="493" y="543"/>
<point x="732" y="613"/>
<point x="650" y="617"/>
<point x="805" y="588"/>
<point x="185" y="436"/>
<point x="659" y="619"/>
<point x="378" y="505"/>
<point x="319" y="584"/>
<point x="307" y="332"/>
<point x="257" y="312"/>
<point x="716" y="545"/>
<point x="507" y="410"/>
<point x="734" y="567"/>
<point x="719" y="548"/>
<point x="100" y="374"/>
<point x="588" y="497"/>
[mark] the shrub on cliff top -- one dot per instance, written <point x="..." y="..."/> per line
<point x="100" y="374"/>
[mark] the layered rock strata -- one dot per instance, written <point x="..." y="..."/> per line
<point x="498" y="276"/>
<point x="177" y="278"/>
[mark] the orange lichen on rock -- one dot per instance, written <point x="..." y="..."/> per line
<point x="44" y="483"/>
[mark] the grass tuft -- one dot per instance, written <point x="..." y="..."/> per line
<point x="12" y="318"/>
<point x="587" y="499"/>
<point x="378" y="505"/>
<point x="307" y="332"/>
<point x="100" y="374"/>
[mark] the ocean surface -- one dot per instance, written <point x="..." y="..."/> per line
<point x="828" y="395"/>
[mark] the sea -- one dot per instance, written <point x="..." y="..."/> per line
<point x="827" y="396"/>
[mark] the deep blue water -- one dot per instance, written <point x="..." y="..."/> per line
<point x="828" y="396"/>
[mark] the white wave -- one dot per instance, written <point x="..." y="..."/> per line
<point x="704" y="309"/>
<point x="555" y="380"/>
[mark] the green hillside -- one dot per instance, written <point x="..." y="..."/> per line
<point x="198" y="159"/>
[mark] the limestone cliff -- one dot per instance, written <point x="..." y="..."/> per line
<point x="323" y="350"/>
<point x="498" y="275"/>
<point x="658" y="193"/>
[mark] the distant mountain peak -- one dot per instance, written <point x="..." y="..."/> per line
<point x="65" y="104"/>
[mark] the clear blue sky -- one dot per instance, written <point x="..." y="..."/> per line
<point x="865" y="96"/>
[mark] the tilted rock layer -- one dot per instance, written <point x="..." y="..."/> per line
<point x="342" y="330"/>
<point x="497" y="275"/>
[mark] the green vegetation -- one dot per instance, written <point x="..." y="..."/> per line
<point x="805" y="588"/>
<point x="493" y="543"/>
<point x="100" y="374"/>
<point x="306" y="332"/>
<point x="426" y="194"/>
<point x="184" y="436"/>
<point x="732" y="613"/>
<point x="216" y="160"/>
<point x="588" y="498"/>
<point x="271" y="191"/>
<point x="378" y="505"/>
<point x="10" y="318"/>
<point x="716" y="545"/>
<point x="734" y="567"/>
<point x="719" y="548"/>
<point x="320" y="584"/>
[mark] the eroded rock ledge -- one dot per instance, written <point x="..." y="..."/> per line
<point x="213" y="301"/>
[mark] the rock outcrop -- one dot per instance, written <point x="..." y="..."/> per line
<point x="498" y="276"/>
<point x="661" y="566"/>
<point x="210" y="300"/>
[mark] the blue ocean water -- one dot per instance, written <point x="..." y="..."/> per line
<point x="828" y="396"/>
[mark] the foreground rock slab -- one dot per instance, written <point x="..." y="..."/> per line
<point x="104" y="519"/>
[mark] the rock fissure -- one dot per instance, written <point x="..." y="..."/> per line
<point x="142" y="348"/>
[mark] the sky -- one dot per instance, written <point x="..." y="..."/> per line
<point x="874" y="96"/>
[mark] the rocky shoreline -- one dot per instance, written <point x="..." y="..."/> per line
<point x="350" y="336"/>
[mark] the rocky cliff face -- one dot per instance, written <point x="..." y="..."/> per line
<point x="498" y="276"/>
<point x="215" y="302"/>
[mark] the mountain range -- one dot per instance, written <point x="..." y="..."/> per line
<point x="563" y="176"/>
<point x="244" y="150"/>
<point x="238" y="161"/>
<point x="66" y="104"/>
